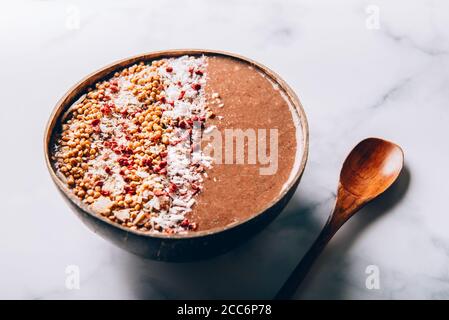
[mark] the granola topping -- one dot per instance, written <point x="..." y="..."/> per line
<point x="127" y="148"/>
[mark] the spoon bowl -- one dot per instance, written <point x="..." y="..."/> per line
<point x="371" y="168"/>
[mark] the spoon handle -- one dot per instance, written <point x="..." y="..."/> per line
<point x="301" y="270"/>
<point x="345" y="206"/>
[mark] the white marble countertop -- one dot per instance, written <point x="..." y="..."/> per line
<point x="356" y="77"/>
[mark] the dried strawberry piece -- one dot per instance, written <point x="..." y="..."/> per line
<point x="199" y="72"/>
<point x="105" y="193"/>
<point x="127" y="151"/>
<point x="107" y="170"/>
<point x="162" y="164"/>
<point x="181" y="95"/>
<point x="123" y="162"/>
<point x="129" y="190"/>
<point x="169" y="69"/>
<point x="99" y="183"/>
<point x="106" y="110"/>
<point x="183" y="124"/>
<point x="185" y="223"/>
<point x="196" y="86"/>
<point x="173" y="187"/>
<point x="163" y="100"/>
<point x="95" y="122"/>
<point x="114" y="89"/>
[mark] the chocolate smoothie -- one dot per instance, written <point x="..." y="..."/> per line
<point x="179" y="145"/>
<point x="247" y="100"/>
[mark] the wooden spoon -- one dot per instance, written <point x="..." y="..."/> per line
<point x="370" y="169"/>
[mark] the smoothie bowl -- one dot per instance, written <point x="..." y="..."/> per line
<point x="178" y="155"/>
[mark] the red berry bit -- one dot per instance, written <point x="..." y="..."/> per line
<point x="113" y="85"/>
<point x="196" y="86"/>
<point x="199" y="72"/>
<point x="169" y="69"/>
<point x="123" y="162"/>
<point x="146" y="162"/>
<point x="173" y="187"/>
<point x="95" y="122"/>
<point x="99" y="184"/>
<point x="182" y="124"/>
<point x="129" y="190"/>
<point x="114" y="89"/>
<point x="185" y="223"/>
<point x="163" y="154"/>
<point x="158" y="192"/>
<point x="106" y="110"/>
<point x="181" y="95"/>
<point x="127" y="151"/>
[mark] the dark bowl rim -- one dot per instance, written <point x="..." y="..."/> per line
<point x="64" y="103"/>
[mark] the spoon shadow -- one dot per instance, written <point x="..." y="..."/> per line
<point x="330" y="288"/>
<point x="257" y="268"/>
<point x="253" y="270"/>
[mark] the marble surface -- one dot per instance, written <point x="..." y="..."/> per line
<point x="356" y="75"/>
